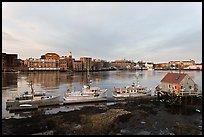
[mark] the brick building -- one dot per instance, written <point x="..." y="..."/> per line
<point x="77" y="65"/>
<point x="50" y="56"/>
<point x="86" y="63"/>
<point x="9" y="62"/>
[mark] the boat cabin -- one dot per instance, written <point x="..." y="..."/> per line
<point x="94" y="89"/>
<point x="135" y="89"/>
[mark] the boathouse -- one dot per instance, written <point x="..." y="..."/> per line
<point x="178" y="82"/>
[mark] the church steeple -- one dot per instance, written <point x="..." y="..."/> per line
<point x="70" y="55"/>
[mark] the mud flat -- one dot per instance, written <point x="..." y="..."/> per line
<point x="144" y="116"/>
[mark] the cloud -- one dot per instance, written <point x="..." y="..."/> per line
<point x="9" y="37"/>
<point x="104" y="30"/>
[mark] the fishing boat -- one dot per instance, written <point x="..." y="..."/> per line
<point x="90" y="90"/>
<point x="93" y="95"/>
<point x="88" y="93"/>
<point x="131" y="91"/>
<point x="135" y="90"/>
<point x="31" y="100"/>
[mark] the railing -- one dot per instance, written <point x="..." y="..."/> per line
<point x="182" y="92"/>
<point x="190" y="93"/>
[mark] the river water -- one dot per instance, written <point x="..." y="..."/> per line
<point x="59" y="82"/>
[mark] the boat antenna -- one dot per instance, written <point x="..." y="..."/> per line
<point x="137" y="77"/>
<point x="88" y="79"/>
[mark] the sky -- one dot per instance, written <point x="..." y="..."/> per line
<point x="149" y="31"/>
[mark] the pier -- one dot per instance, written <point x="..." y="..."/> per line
<point x="179" y="98"/>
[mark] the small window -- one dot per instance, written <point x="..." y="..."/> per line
<point x="177" y="77"/>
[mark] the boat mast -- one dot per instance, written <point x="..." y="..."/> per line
<point x="88" y="74"/>
<point x="137" y="77"/>
<point x="31" y="86"/>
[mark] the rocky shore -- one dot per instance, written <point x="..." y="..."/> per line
<point x="142" y="116"/>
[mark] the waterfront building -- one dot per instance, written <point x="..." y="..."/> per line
<point x="123" y="64"/>
<point x="77" y="65"/>
<point x="66" y="62"/>
<point x="181" y="64"/>
<point x="144" y="65"/>
<point x="63" y="63"/>
<point x="50" y="56"/>
<point x="69" y="60"/>
<point x="177" y="81"/>
<point x="176" y="65"/>
<point x="42" y="64"/>
<point x="141" y="65"/>
<point x="188" y="63"/>
<point x="9" y="62"/>
<point x="149" y="65"/>
<point x="161" y="66"/>
<point x="21" y="65"/>
<point x="194" y="67"/>
<point x="98" y="64"/>
<point x="3" y="61"/>
<point x="86" y="63"/>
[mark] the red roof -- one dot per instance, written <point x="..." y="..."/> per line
<point x="173" y="77"/>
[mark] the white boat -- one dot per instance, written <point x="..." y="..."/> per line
<point x="131" y="91"/>
<point x="89" y="90"/>
<point x="135" y="90"/>
<point x="32" y="100"/>
<point x="87" y="94"/>
<point x="83" y="97"/>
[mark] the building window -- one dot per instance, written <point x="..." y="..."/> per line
<point x="177" y="77"/>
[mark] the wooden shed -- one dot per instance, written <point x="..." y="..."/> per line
<point x="178" y="82"/>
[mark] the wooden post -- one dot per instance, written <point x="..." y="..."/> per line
<point x="191" y="100"/>
<point x="180" y="100"/>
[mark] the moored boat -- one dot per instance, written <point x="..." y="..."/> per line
<point x="131" y="91"/>
<point x="93" y="94"/>
<point x="88" y="93"/>
<point x="32" y="100"/>
<point x="135" y="90"/>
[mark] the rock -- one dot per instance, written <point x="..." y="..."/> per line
<point x="124" y="131"/>
<point x="100" y="123"/>
<point x="142" y="122"/>
<point x="144" y="133"/>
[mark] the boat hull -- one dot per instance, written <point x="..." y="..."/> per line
<point x="83" y="98"/>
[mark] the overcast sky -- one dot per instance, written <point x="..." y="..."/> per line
<point x="157" y="32"/>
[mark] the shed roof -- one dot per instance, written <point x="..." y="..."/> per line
<point x="173" y="77"/>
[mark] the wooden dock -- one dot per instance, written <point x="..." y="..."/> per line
<point x="182" y="97"/>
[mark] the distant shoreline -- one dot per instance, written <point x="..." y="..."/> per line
<point x="104" y="70"/>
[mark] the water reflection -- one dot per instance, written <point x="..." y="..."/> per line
<point x="55" y="79"/>
<point x="9" y="80"/>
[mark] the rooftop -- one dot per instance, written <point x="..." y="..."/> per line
<point x="173" y="77"/>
